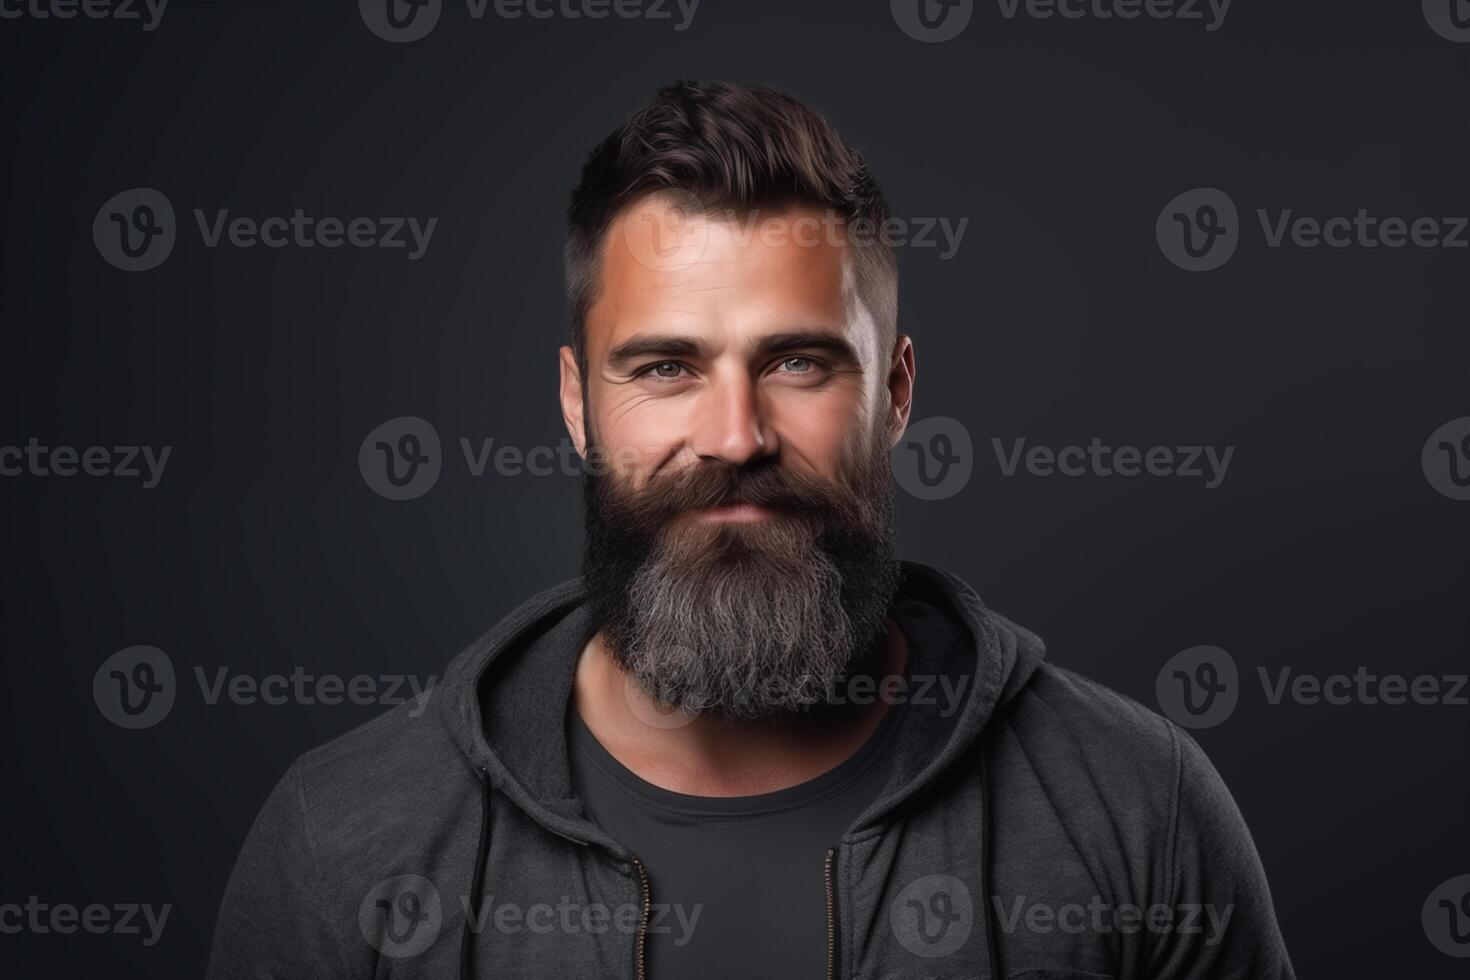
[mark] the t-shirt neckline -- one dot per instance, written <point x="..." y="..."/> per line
<point x="807" y="793"/>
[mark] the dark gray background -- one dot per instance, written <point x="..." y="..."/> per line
<point x="263" y="549"/>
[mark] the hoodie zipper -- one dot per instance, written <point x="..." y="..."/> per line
<point x="831" y="913"/>
<point x="643" y="919"/>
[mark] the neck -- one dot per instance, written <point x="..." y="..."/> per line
<point x="707" y="755"/>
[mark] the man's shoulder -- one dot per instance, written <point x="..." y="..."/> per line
<point x="1067" y="724"/>
<point x="393" y="764"/>
<point x="1094" y="703"/>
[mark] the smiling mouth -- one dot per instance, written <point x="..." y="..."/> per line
<point x="735" y="512"/>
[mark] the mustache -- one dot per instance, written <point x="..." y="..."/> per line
<point x="711" y="483"/>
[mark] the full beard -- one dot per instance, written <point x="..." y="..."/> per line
<point x="743" y="620"/>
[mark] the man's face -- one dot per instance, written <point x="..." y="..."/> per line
<point x="730" y="340"/>
<point x="738" y="397"/>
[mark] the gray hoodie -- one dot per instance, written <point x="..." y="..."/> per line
<point x="1036" y="824"/>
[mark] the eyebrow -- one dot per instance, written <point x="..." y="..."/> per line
<point x="655" y="345"/>
<point x="834" y="344"/>
<point x="669" y="345"/>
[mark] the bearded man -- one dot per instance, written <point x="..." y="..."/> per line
<point x="750" y="741"/>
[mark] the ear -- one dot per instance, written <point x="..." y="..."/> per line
<point x="571" y="400"/>
<point x="900" y="388"/>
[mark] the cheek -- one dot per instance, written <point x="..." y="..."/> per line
<point x="821" y="432"/>
<point x="629" y="417"/>
<point x="637" y="433"/>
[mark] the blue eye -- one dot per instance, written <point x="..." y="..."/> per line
<point x="798" y="365"/>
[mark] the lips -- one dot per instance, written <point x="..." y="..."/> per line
<point x="734" y="512"/>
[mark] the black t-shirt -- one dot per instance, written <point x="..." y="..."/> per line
<point x="738" y="884"/>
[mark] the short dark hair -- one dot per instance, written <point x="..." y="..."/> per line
<point x="733" y="149"/>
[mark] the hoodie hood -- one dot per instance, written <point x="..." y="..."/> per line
<point x="504" y="699"/>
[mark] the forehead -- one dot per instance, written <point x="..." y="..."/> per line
<point x="737" y="274"/>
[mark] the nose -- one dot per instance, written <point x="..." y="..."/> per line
<point x="732" y="426"/>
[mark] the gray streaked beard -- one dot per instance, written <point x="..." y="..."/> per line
<point x="742" y="620"/>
